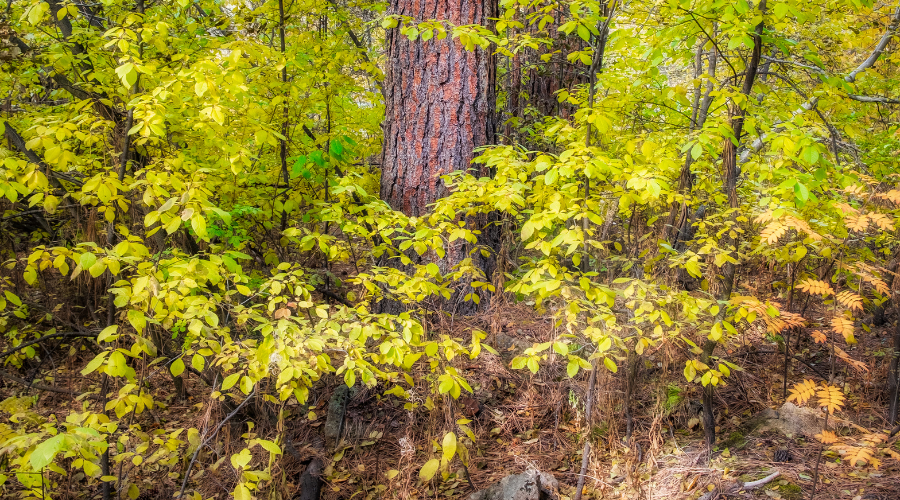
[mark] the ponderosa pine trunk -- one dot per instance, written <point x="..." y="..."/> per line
<point x="439" y="107"/>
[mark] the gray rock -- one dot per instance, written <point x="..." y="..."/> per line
<point x="790" y="420"/>
<point x="508" y="346"/>
<point x="530" y="485"/>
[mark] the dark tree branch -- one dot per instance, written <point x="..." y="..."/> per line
<point x="34" y="385"/>
<point x="19" y="143"/>
<point x="23" y="345"/>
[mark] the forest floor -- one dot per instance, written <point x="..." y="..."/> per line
<point x="523" y="421"/>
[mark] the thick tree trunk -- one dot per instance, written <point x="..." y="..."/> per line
<point x="439" y="107"/>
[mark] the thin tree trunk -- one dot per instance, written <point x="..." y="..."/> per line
<point x="729" y="187"/>
<point x="893" y="378"/>
<point x="282" y="143"/>
<point x="586" y="453"/>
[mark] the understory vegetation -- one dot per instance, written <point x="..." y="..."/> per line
<point x="402" y="249"/>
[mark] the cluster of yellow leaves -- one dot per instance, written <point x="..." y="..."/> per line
<point x="858" y="455"/>
<point x="816" y="287"/>
<point x="802" y="391"/>
<point x="830" y="397"/>
<point x="784" y="321"/>
<point x="860" y="451"/>
<point x="827" y="437"/>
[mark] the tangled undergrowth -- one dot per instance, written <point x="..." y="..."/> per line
<point x="520" y="421"/>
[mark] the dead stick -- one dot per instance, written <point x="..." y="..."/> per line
<point x="586" y="454"/>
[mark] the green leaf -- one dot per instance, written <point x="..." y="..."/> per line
<point x="230" y="380"/>
<point x="246" y="384"/>
<point x="198" y="362"/>
<point x="449" y="445"/>
<point x="107" y="332"/>
<point x="137" y="320"/>
<point x="269" y="446"/>
<point x="696" y="151"/>
<point x="45" y="452"/>
<point x="560" y="348"/>
<point x="241" y="492"/>
<point x="801" y="192"/>
<point x="30" y="275"/>
<point x="97" y="269"/>
<point x="693" y="268"/>
<point x="584" y="33"/>
<point x="95" y="363"/>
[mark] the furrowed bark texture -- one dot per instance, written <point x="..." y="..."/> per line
<point x="439" y="107"/>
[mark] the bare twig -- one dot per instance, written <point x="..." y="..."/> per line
<point x="23" y="345"/>
<point x="215" y="431"/>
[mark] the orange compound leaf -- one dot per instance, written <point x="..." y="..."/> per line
<point x="882" y="221"/>
<point x="763" y="217"/>
<point x="844" y="326"/>
<point x="845" y="208"/>
<point x="859" y="224"/>
<point x="801" y="392"/>
<point x="850" y="300"/>
<point x="816" y="287"/>
<point x="858" y="365"/>
<point x="830" y="397"/>
<point x="801" y="225"/>
<point x="818" y="336"/>
<point x="827" y="437"/>
<point x="893" y="196"/>
<point x="773" y="232"/>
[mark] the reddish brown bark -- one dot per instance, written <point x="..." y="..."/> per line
<point x="439" y="104"/>
<point x="439" y="107"/>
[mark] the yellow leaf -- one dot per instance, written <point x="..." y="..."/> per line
<point x="449" y="445"/>
<point x="429" y="469"/>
